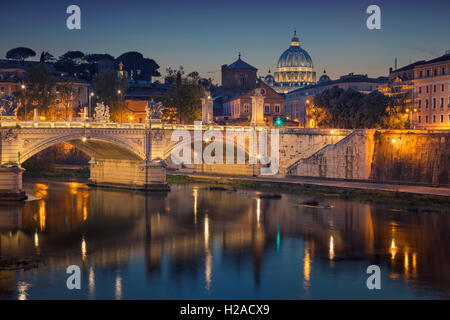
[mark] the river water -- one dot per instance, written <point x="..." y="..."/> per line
<point x="197" y="242"/>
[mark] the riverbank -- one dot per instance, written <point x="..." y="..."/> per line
<point x="408" y="195"/>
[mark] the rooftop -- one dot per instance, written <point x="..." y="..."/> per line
<point x="240" y="64"/>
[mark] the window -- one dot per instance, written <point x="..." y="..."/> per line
<point x="435" y="72"/>
<point x="426" y="119"/>
<point x="442" y="87"/>
<point x="428" y="73"/>
<point x="449" y="118"/>
<point x="266" y="109"/>
<point x="420" y="119"/>
<point x="420" y="103"/>
<point x="277" y="109"/>
<point x="434" y="103"/>
<point x="246" y="108"/>
<point x="427" y="88"/>
<point x="442" y="118"/>
<point x="420" y="89"/>
<point x="434" y="88"/>
<point x="442" y="102"/>
<point x="434" y="118"/>
<point x="421" y="74"/>
<point x="426" y="103"/>
<point x="443" y="70"/>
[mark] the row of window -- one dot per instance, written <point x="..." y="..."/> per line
<point x="434" y="119"/>
<point x="431" y="72"/>
<point x="434" y="103"/>
<point x="428" y="88"/>
<point x="246" y="109"/>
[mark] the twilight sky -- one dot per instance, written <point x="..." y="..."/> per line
<point x="203" y="35"/>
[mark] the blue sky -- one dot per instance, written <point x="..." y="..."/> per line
<point x="202" y="35"/>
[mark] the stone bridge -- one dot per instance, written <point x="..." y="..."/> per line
<point x="135" y="155"/>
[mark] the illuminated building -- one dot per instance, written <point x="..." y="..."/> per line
<point x="432" y="93"/>
<point x="295" y="69"/>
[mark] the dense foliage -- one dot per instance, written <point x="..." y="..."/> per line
<point x="351" y="109"/>
<point x="184" y="95"/>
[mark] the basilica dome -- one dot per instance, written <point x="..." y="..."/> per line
<point x="295" y="57"/>
<point x="294" y="68"/>
<point x="324" y="77"/>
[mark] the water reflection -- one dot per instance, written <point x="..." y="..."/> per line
<point x="195" y="242"/>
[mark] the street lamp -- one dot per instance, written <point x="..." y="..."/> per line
<point x="121" y="109"/>
<point x="24" y="102"/>
<point x="90" y="104"/>
<point x="304" y="113"/>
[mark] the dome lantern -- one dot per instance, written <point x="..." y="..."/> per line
<point x="295" y="42"/>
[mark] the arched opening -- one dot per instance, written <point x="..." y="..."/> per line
<point x="72" y="156"/>
<point x="242" y="167"/>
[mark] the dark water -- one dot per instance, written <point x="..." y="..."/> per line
<point x="195" y="243"/>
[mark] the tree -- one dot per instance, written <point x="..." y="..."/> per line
<point x="184" y="95"/>
<point x="95" y="57"/>
<point x="135" y="64"/>
<point x="46" y="57"/>
<point x="396" y="115"/>
<point x="38" y="92"/>
<point x="109" y="88"/>
<point x="67" y="95"/>
<point x="350" y="109"/>
<point x="20" y="54"/>
<point x="319" y="116"/>
<point x="70" y="62"/>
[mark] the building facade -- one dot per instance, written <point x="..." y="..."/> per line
<point x="240" y="107"/>
<point x="432" y="93"/>
<point x="71" y="94"/>
<point x="237" y="78"/>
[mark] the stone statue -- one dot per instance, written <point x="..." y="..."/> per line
<point x="153" y="110"/>
<point x="8" y="106"/>
<point x="101" y="112"/>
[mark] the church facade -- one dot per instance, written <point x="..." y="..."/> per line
<point x="295" y="69"/>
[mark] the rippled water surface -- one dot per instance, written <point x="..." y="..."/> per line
<point x="197" y="243"/>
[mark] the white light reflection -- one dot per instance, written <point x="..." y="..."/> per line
<point x="258" y="212"/>
<point x="118" y="286"/>
<point x="22" y="288"/>
<point x="331" y="252"/>
<point x="91" y="283"/>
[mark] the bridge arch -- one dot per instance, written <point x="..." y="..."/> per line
<point x="226" y="142"/>
<point x="96" y="146"/>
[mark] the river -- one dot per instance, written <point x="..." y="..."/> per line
<point x="197" y="242"/>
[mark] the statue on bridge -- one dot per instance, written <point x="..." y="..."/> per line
<point x="101" y="113"/>
<point x="153" y="111"/>
<point x="8" y="106"/>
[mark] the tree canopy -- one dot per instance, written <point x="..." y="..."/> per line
<point x="141" y="68"/>
<point x="351" y="109"/>
<point x="20" y="54"/>
<point x="38" y="90"/>
<point x="109" y="88"/>
<point x="184" y="95"/>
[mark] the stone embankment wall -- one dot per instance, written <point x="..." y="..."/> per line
<point x="412" y="156"/>
<point x="407" y="156"/>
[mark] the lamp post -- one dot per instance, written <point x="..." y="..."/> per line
<point x="121" y="109"/>
<point x="24" y="102"/>
<point x="90" y="103"/>
<point x="304" y="113"/>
